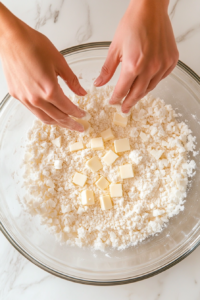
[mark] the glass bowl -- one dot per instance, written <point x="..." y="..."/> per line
<point x="155" y="254"/>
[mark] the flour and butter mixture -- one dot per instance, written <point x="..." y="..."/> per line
<point x="115" y="184"/>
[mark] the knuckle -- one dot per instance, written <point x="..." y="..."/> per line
<point x="131" y="68"/>
<point x="74" y="80"/>
<point x="35" y="101"/>
<point x="105" y="70"/>
<point x="138" y="95"/>
<point x="50" y="91"/>
<point x="155" y="66"/>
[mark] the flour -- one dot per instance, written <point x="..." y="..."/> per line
<point x="159" y="147"/>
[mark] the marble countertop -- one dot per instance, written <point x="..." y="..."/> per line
<point x="68" y="23"/>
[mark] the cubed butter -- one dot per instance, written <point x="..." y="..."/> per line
<point x="87" y="197"/>
<point x="85" y="123"/>
<point x="122" y="145"/>
<point x="110" y="157"/>
<point x="119" y="120"/>
<point x="79" y="179"/>
<point x="156" y="153"/>
<point x="94" y="164"/>
<point x="57" y="142"/>
<point x="116" y="190"/>
<point x="76" y="146"/>
<point x="102" y="183"/>
<point x="107" y="135"/>
<point x="126" y="171"/>
<point x="58" y="164"/>
<point x="105" y="202"/>
<point x="144" y="136"/>
<point x="97" y="144"/>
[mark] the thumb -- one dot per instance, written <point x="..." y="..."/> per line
<point x="65" y="72"/>
<point x="108" y="69"/>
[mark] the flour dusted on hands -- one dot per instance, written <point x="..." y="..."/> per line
<point x="153" y="193"/>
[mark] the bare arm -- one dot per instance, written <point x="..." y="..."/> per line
<point x="144" y="43"/>
<point x="31" y="65"/>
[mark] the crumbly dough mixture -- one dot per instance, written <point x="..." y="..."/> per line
<point x="159" y="147"/>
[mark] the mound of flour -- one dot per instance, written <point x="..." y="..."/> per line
<point x="159" y="148"/>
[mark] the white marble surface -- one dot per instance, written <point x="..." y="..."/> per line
<point x="68" y="23"/>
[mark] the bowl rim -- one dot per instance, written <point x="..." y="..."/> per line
<point x="68" y="51"/>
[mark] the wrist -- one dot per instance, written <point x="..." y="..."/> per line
<point x="156" y="5"/>
<point x="8" y="23"/>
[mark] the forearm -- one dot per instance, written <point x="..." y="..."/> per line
<point x="8" y="22"/>
<point x="152" y="5"/>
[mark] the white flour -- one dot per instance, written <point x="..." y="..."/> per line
<point x="159" y="147"/>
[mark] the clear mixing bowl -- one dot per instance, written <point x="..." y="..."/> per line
<point x="155" y="254"/>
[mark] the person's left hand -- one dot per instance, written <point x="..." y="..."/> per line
<point x="145" y="45"/>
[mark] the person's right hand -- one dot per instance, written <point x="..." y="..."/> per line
<point x="31" y="65"/>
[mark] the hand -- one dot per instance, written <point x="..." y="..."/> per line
<point x="31" y="64"/>
<point x="144" y="43"/>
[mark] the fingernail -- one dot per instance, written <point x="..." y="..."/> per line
<point x="126" y="110"/>
<point x="80" y="128"/>
<point x="81" y="91"/>
<point x="98" y="81"/>
<point x="82" y="113"/>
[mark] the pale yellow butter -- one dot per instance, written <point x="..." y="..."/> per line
<point x="110" y="157"/>
<point x="102" y="183"/>
<point x="76" y="146"/>
<point x="79" y="179"/>
<point x="116" y="190"/>
<point x="97" y="144"/>
<point x="126" y="171"/>
<point x="122" y="145"/>
<point x="105" y="202"/>
<point x="57" y="142"/>
<point x="94" y="164"/>
<point x="87" y="197"/>
<point x="85" y="123"/>
<point x="156" y="153"/>
<point x="107" y="135"/>
<point x="119" y="120"/>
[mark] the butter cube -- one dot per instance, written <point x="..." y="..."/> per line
<point x="126" y="171"/>
<point x="116" y="190"/>
<point x="87" y="197"/>
<point x="102" y="183"/>
<point x="58" y="164"/>
<point x="85" y="123"/>
<point x="119" y="120"/>
<point x="110" y="157"/>
<point x="79" y="179"/>
<point x="97" y="144"/>
<point x="107" y="135"/>
<point x="57" y="142"/>
<point x="105" y="202"/>
<point x="156" y="153"/>
<point x="94" y="164"/>
<point x="144" y="137"/>
<point x="76" y="146"/>
<point x="122" y="145"/>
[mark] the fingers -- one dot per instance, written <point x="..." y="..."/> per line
<point x="40" y="114"/>
<point x="55" y="114"/>
<point x="137" y="91"/>
<point x="109" y="67"/>
<point x="69" y="77"/>
<point x="126" y="79"/>
<point x="158" y="77"/>
<point x="59" y="100"/>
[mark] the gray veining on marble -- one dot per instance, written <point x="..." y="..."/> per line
<point x="50" y="13"/>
